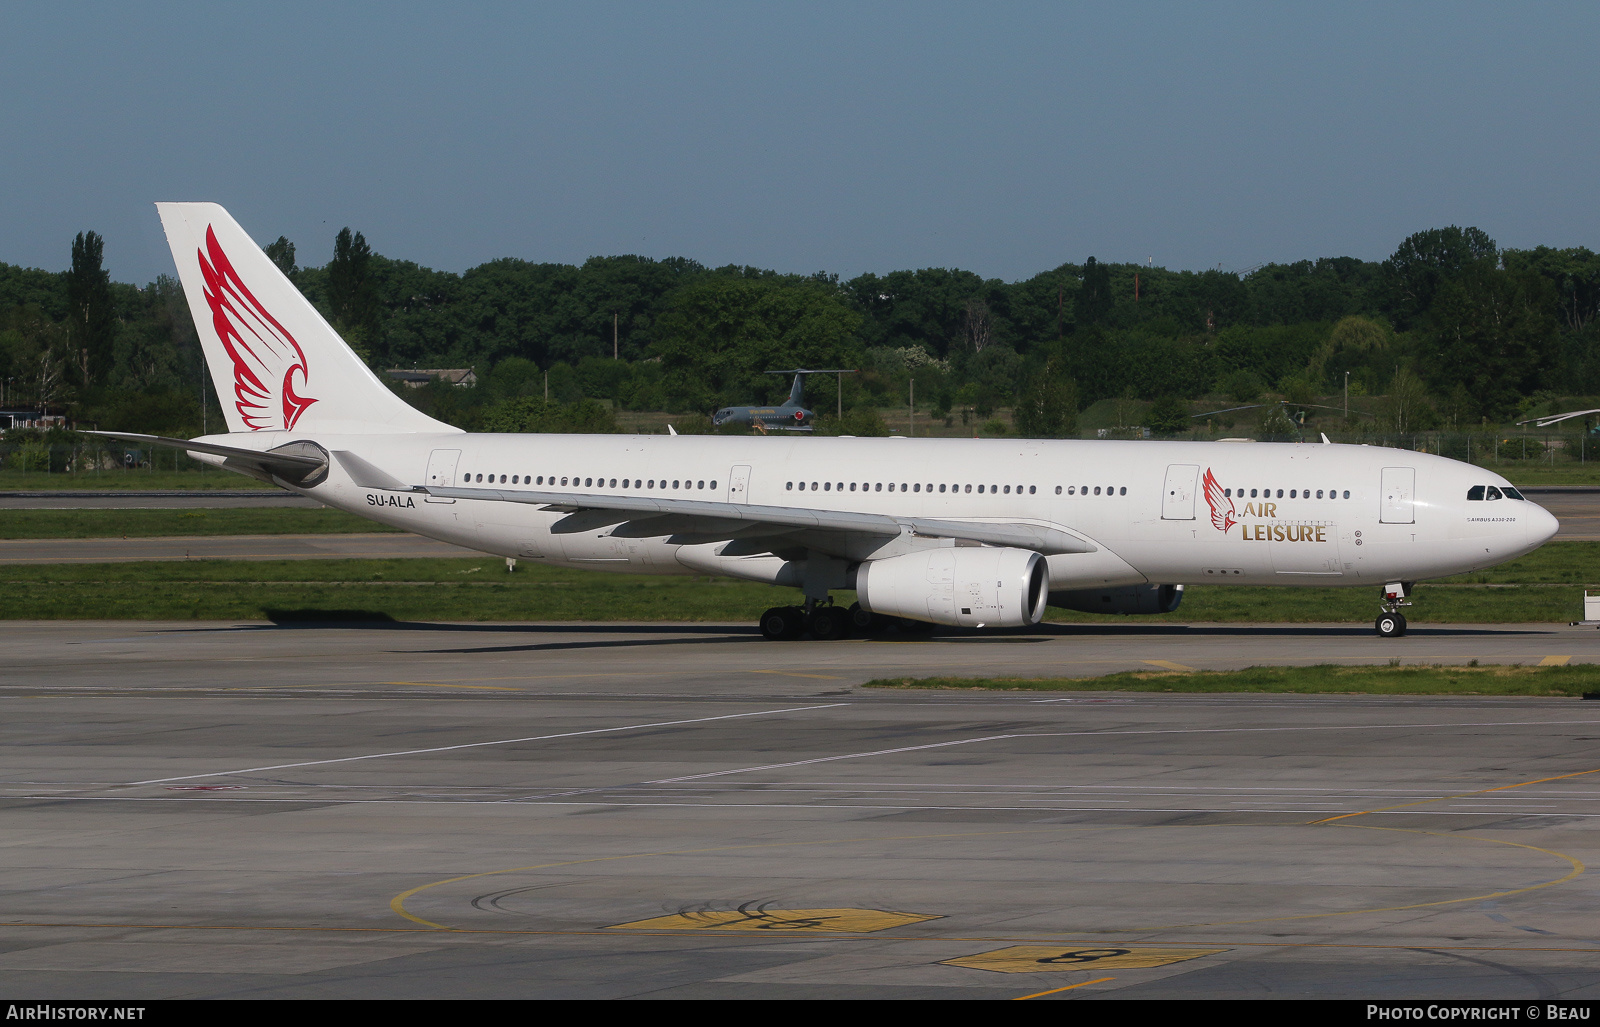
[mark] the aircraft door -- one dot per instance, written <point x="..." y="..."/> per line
<point x="1398" y="496"/>
<point x="1177" y="496"/>
<point x="442" y="471"/>
<point x="739" y="484"/>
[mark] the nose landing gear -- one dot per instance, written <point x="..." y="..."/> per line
<point x="1391" y="623"/>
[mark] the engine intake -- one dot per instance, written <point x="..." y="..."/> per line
<point x="969" y="587"/>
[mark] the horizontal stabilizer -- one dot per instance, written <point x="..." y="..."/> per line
<point x="300" y="463"/>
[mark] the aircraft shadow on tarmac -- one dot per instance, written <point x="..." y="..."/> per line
<point x="604" y="635"/>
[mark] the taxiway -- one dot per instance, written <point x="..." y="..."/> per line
<point x="416" y="811"/>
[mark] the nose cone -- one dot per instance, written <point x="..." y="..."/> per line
<point x="1541" y="525"/>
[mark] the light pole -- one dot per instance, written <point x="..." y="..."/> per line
<point x="1347" y="399"/>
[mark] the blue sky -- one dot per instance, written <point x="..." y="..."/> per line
<point x="1005" y="138"/>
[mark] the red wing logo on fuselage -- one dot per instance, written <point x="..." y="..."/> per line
<point x="1222" y="518"/>
<point x="266" y="359"/>
<point x="1224" y="515"/>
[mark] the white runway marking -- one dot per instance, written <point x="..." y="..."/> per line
<point x="830" y="759"/>
<point x="1140" y="731"/>
<point x="478" y="745"/>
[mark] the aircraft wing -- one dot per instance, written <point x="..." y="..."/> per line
<point x="647" y="517"/>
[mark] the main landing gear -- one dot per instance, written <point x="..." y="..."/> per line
<point x="1391" y="623"/>
<point x="823" y="622"/>
<point x="783" y="623"/>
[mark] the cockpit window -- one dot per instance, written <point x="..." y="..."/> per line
<point x="1512" y="493"/>
<point x="1475" y="494"/>
<point x="1493" y="493"/>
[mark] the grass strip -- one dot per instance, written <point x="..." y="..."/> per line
<point x="1439" y="604"/>
<point x="132" y="480"/>
<point x="42" y="524"/>
<point x="1336" y="679"/>
<point x="399" y="590"/>
<point x="481" y="589"/>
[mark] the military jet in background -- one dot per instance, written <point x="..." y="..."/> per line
<point x="791" y="416"/>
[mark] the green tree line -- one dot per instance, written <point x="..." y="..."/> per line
<point x="1456" y="330"/>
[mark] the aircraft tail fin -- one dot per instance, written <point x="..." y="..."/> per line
<point x="275" y="361"/>
<point x="797" y="391"/>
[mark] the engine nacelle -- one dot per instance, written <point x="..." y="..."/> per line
<point x="1123" y="599"/>
<point x="967" y="586"/>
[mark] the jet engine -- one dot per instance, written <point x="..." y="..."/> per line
<point x="967" y="586"/>
<point x="1124" y="599"/>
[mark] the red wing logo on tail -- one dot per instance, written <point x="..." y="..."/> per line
<point x="266" y="359"/>
<point x="1221" y="516"/>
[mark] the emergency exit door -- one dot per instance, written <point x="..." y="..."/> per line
<point x="442" y="471"/>
<point x="1398" y="496"/>
<point x="1177" y="496"/>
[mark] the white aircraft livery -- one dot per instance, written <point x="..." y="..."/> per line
<point x="952" y="532"/>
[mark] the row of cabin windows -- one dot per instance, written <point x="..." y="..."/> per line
<point x="993" y="490"/>
<point x="589" y="483"/>
<point x="1293" y="493"/>
<point x="1487" y="492"/>
<point x="1477" y="492"/>
<point x="879" y="486"/>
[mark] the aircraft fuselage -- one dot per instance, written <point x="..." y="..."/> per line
<point x="1309" y="515"/>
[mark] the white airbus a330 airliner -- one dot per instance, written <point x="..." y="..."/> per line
<point x="946" y="531"/>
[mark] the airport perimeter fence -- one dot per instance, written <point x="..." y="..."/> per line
<point x="35" y="459"/>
